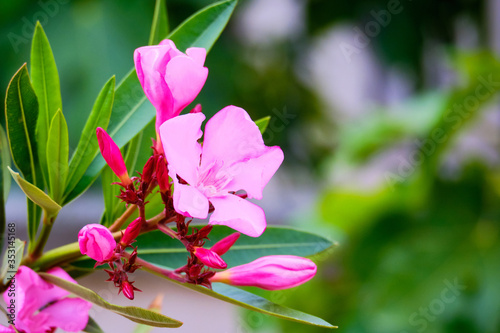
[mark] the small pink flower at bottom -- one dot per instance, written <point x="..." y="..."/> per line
<point x="233" y="158"/>
<point x="271" y="273"/>
<point x="42" y="307"/>
<point x="113" y="156"/>
<point x="97" y="242"/>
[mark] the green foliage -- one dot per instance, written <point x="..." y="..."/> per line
<point x="57" y="156"/>
<point x="14" y="255"/>
<point x="92" y="327"/>
<point x="133" y="313"/>
<point x="5" y="179"/>
<point x="159" y="27"/>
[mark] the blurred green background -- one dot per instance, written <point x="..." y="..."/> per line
<point x="388" y="115"/>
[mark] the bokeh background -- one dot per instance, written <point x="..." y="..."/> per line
<point x="388" y="114"/>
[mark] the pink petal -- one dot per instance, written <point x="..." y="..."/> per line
<point x="112" y="154"/>
<point x="188" y="201"/>
<point x="185" y="78"/>
<point x="69" y="314"/>
<point x="239" y="214"/>
<point x="253" y="174"/>
<point x="198" y="54"/>
<point x="9" y="329"/>
<point x="210" y="258"/>
<point x="179" y="137"/>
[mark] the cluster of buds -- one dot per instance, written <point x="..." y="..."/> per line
<point x="194" y="180"/>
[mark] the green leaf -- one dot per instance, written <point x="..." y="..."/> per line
<point x="256" y="303"/>
<point x="262" y="123"/>
<point x="11" y="259"/>
<point x="88" y="147"/>
<point x="45" y="81"/>
<point x="159" y="249"/>
<point x="131" y="111"/>
<point x="159" y="28"/>
<point x="92" y="327"/>
<point x="57" y="156"/>
<point x="133" y="313"/>
<point x="204" y="27"/>
<point x="21" y="113"/>
<point x="5" y="179"/>
<point x="36" y="195"/>
<point x="109" y="193"/>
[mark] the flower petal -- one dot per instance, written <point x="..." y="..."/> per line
<point x="69" y="314"/>
<point x="179" y="137"/>
<point x="188" y="201"/>
<point x="239" y="214"/>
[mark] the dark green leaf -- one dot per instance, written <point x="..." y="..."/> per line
<point x="21" y="113"/>
<point x="45" y="81"/>
<point x="109" y="193"/>
<point x="36" y="195"/>
<point x="133" y="313"/>
<point x="57" y="156"/>
<point x="88" y="147"/>
<point x="92" y="327"/>
<point x="159" y="28"/>
<point x="5" y="179"/>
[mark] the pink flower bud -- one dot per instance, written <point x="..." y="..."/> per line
<point x="196" y="109"/>
<point x="149" y="169"/>
<point x="112" y="155"/>
<point x="162" y="175"/>
<point x="209" y="258"/>
<point x="270" y="272"/>
<point x="225" y="243"/>
<point x="133" y="230"/>
<point x="128" y="289"/>
<point x="97" y="242"/>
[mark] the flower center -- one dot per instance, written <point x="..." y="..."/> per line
<point x="213" y="179"/>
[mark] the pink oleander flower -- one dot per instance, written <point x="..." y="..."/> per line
<point x="233" y="158"/>
<point x="270" y="273"/>
<point x="132" y="231"/>
<point x="171" y="79"/>
<point x="41" y="307"/>
<point x="113" y="156"/>
<point x="225" y="243"/>
<point x="97" y="242"/>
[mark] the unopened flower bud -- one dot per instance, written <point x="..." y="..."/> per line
<point x="97" y="242"/>
<point x="133" y="230"/>
<point x="162" y="175"/>
<point x="148" y="170"/>
<point x="271" y="273"/>
<point x="128" y="289"/>
<point x="225" y="243"/>
<point x="209" y="258"/>
<point x="113" y="156"/>
<point x="196" y="109"/>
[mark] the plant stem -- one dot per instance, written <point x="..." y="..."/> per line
<point x="37" y="251"/>
<point x="122" y="219"/>
<point x="157" y="270"/>
<point x="167" y="230"/>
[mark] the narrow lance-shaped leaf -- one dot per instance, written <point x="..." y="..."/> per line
<point x="36" y="195"/>
<point x="92" y="327"/>
<point x="159" y="28"/>
<point x="45" y="81"/>
<point x="57" y="156"/>
<point x="135" y="314"/>
<point x="11" y="259"/>
<point x="109" y="193"/>
<point x="262" y="123"/>
<point x="21" y="113"/>
<point x="131" y="112"/>
<point x="4" y="179"/>
<point x="88" y="147"/>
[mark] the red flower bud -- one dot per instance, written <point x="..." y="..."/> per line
<point x="148" y="170"/>
<point x="132" y="231"/>
<point x="112" y="156"/>
<point x="209" y="258"/>
<point x="128" y="289"/>
<point x="225" y="243"/>
<point x="162" y="175"/>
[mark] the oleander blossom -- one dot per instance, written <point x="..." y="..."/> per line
<point x="41" y="307"/>
<point x="270" y="272"/>
<point x="170" y="78"/>
<point x="97" y="242"/>
<point x="233" y="158"/>
<point x="112" y="155"/>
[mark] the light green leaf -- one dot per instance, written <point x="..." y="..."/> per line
<point x="92" y="327"/>
<point x="36" y="195"/>
<point x="131" y="111"/>
<point x="159" y="249"/>
<point x="133" y="313"/>
<point x="159" y="28"/>
<point x="45" y="81"/>
<point x="88" y="147"/>
<point x="5" y="179"/>
<point x="11" y="259"/>
<point x="262" y="123"/>
<point x="57" y="156"/>
<point x="21" y="113"/>
<point x="109" y="193"/>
